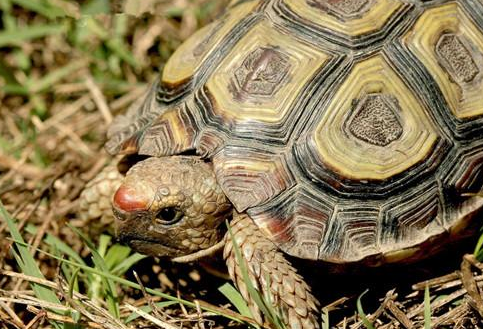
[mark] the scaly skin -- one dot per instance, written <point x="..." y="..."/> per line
<point x="95" y="201"/>
<point x="285" y="288"/>
<point x="188" y="185"/>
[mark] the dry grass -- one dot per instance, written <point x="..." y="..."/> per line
<point x="63" y="79"/>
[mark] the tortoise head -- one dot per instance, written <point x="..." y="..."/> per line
<point x="170" y="206"/>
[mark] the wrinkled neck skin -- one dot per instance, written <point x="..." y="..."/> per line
<point x="170" y="206"/>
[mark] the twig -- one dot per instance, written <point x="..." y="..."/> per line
<point x="15" y="319"/>
<point x="451" y="316"/>
<point x="436" y="281"/>
<point x="470" y="284"/>
<point x="99" y="99"/>
<point x="37" y="318"/>
<point x="149" y="317"/>
<point x="399" y="315"/>
<point x="62" y="318"/>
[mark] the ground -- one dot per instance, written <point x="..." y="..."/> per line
<point x="66" y="68"/>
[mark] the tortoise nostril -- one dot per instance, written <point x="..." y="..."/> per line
<point x="128" y="199"/>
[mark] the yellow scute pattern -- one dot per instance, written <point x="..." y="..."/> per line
<point x="188" y="57"/>
<point x="353" y="158"/>
<point x="464" y="99"/>
<point x="302" y="61"/>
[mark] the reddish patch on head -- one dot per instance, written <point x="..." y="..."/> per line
<point x="128" y="199"/>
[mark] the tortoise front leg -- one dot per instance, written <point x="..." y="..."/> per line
<point x="271" y="274"/>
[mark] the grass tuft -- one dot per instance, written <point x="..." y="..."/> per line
<point x="27" y="264"/>
<point x="362" y="315"/>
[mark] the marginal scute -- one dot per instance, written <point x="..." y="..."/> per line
<point x="465" y="170"/>
<point x="352" y="234"/>
<point x="128" y="130"/>
<point x="412" y="216"/>
<point x="209" y="142"/>
<point x="450" y="46"/>
<point x="296" y="220"/>
<point x="250" y="177"/>
<point x="401" y="137"/>
<point x="170" y="133"/>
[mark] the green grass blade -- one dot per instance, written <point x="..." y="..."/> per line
<point x="127" y="263"/>
<point x="115" y="254"/>
<point x="27" y="263"/>
<point x="108" y="285"/>
<point x="61" y="246"/>
<point x="235" y="298"/>
<point x="478" y="253"/>
<point x="96" y="28"/>
<point x="131" y="284"/>
<point x="95" y="7"/>
<point x="55" y="76"/>
<point x="15" y="89"/>
<point x="40" y="7"/>
<point x="57" y="244"/>
<point x="362" y="315"/>
<point x="427" y="308"/>
<point x="268" y="311"/>
<point x="7" y="74"/>
<point x="120" y="25"/>
<point x="22" y="34"/>
<point x="6" y="5"/>
<point x="104" y="241"/>
<point x="73" y="281"/>
<point x="120" y="49"/>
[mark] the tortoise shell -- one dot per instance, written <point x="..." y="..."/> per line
<point x="347" y="130"/>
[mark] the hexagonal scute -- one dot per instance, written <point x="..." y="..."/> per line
<point x="387" y="131"/>
<point x="257" y="85"/>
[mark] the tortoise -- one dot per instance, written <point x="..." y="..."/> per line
<point x="342" y="132"/>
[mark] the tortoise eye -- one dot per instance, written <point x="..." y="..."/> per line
<point x="168" y="216"/>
